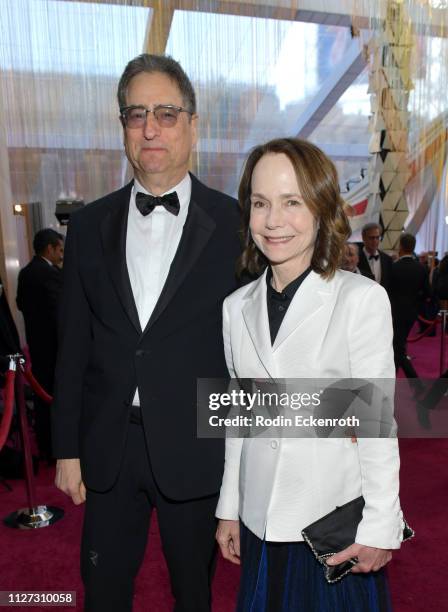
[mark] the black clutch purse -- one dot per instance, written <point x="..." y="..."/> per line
<point x="335" y="532"/>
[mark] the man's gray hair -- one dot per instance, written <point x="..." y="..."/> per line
<point x="157" y="63"/>
<point x="369" y="226"/>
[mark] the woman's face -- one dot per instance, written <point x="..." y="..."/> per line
<point x="281" y="224"/>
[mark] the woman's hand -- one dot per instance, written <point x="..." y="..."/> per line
<point x="370" y="559"/>
<point x="228" y="538"/>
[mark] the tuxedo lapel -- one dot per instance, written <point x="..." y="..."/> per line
<point x="113" y="236"/>
<point x="255" y="314"/>
<point x="364" y="265"/>
<point x="309" y="299"/>
<point x="197" y="231"/>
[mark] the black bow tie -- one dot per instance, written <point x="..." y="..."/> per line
<point x="375" y="257"/>
<point x="146" y="203"/>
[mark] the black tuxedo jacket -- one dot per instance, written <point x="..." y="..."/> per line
<point x="38" y="294"/>
<point x="9" y="337"/>
<point x="409" y="288"/>
<point x="104" y="354"/>
<point x="386" y="267"/>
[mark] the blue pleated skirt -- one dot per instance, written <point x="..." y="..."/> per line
<point x="286" y="577"/>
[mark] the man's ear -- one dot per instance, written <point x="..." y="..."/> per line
<point x="194" y="130"/>
<point x="46" y="252"/>
<point x="120" y="118"/>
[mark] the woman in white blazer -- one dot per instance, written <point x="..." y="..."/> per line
<point x="304" y="318"/>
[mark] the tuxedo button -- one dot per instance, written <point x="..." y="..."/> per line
<point x="139" y="353"/>
<point x="274" y="444"/>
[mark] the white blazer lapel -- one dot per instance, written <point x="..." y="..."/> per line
<point x="309" y="299"/>
<point x="255" y="315"/>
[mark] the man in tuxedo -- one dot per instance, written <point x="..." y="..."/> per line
<point x="409" y="289"/>
<point x="373" y="263"/>
<point x="38" y="294"/>
<point x="146" y="271"/>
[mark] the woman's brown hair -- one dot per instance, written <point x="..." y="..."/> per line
<point x="318" y="183"/>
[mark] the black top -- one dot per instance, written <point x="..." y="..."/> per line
<point x="278" y="302"/>
<point x="409" y="288"/>
<point x="39" y="289"/>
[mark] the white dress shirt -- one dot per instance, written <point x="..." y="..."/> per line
<point x="375" y="265"/>
<point x="151" y="244"/>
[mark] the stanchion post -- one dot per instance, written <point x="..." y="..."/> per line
<point x="21" y="406"/>
<point x="444" y="313"/>
<point x="33" y="517"/>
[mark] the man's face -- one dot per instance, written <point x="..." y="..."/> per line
<point x="55" y="254"/>
<point x="159" y="155"/>
<point x="351" y="258"/>
<point x="371" y="239"/>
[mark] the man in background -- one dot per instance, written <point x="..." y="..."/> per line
<point x="351" y="258"/>
<point x="409" y="289"/>
<point x="373" y="263"/>
<point x="38" y="292"/>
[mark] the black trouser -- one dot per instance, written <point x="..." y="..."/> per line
<point x="44" y="374"/>
<point x="115" y="532"/>
<point x="42" y="427"/>
<point x="402" y="327"/>
<point x="438" y="389"/>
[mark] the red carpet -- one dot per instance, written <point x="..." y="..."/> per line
<point x="47" y="559"/>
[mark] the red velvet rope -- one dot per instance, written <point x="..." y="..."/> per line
<point x="8" y="395"/>
<point x="428" y="321"/>
<point x="35" y="386"/>
<point x="431" y="325"/>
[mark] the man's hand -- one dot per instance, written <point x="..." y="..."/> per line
<point x="228" y="538"/>
<point x="68" y="479"/>
<point x="370" y="559"/>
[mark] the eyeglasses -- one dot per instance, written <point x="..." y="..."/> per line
<point x="166" y="115"/>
